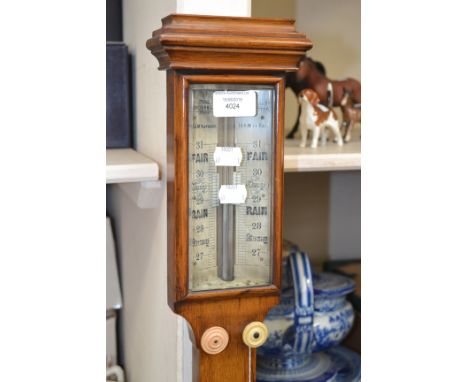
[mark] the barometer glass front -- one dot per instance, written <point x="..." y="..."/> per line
<point x="231" y="168"/>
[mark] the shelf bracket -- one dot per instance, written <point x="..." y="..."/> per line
<point x="144" y="194"/>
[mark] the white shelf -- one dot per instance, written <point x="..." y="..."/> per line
<point x="134" y="173"/>
<point x="128" y="166"/>
<point x="323" y="158"/>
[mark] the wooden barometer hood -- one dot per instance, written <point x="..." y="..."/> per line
<point x="227" y="43"/>
<point x="225" y="112"/>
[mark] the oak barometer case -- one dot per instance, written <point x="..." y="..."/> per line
<point x="225" y="110"/>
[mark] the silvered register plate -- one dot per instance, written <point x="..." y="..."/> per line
<point x="230" y="198"/>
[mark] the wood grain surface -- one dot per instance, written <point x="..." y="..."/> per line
<point x="229" y="43"/>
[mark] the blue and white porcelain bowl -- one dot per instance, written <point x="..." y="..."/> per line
<point x="337" y="364"/>
<point x="330" y="291"/>
<point x="313" y="315"/>
<point x="331" y="323"/>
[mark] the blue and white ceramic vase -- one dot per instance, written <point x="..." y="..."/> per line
<point x="313" y="315"/>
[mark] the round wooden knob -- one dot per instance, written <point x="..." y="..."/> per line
<point x="214" y="340"/>
<point x="255" y="334"/>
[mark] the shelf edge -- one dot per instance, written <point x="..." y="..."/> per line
<point x="145" y="170"/>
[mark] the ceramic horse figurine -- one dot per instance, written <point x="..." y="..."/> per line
<point x="311" y="75"/>
<point x="317" y="118"/>
<point x="351" y="114"/>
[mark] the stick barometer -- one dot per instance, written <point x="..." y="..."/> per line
<point x="225" y="109"/>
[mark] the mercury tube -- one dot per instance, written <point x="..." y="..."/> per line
<point x="226" y="213"/>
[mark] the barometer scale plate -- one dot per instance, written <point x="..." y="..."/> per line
<point x="230" y="185"/>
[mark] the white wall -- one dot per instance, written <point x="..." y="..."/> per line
<point x="148" y="327"/>
<point x="214" y="7"/>
<point x="155" y="341"/>
<point x="335" y="28"/>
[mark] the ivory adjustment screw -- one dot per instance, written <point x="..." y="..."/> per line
<point x="214" y="340"/>
<point x="255" y="334"/>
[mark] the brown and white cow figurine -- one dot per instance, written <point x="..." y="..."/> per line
<point x="317" y="118"/>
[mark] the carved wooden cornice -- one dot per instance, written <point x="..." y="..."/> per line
<point x="227" y="43"/>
